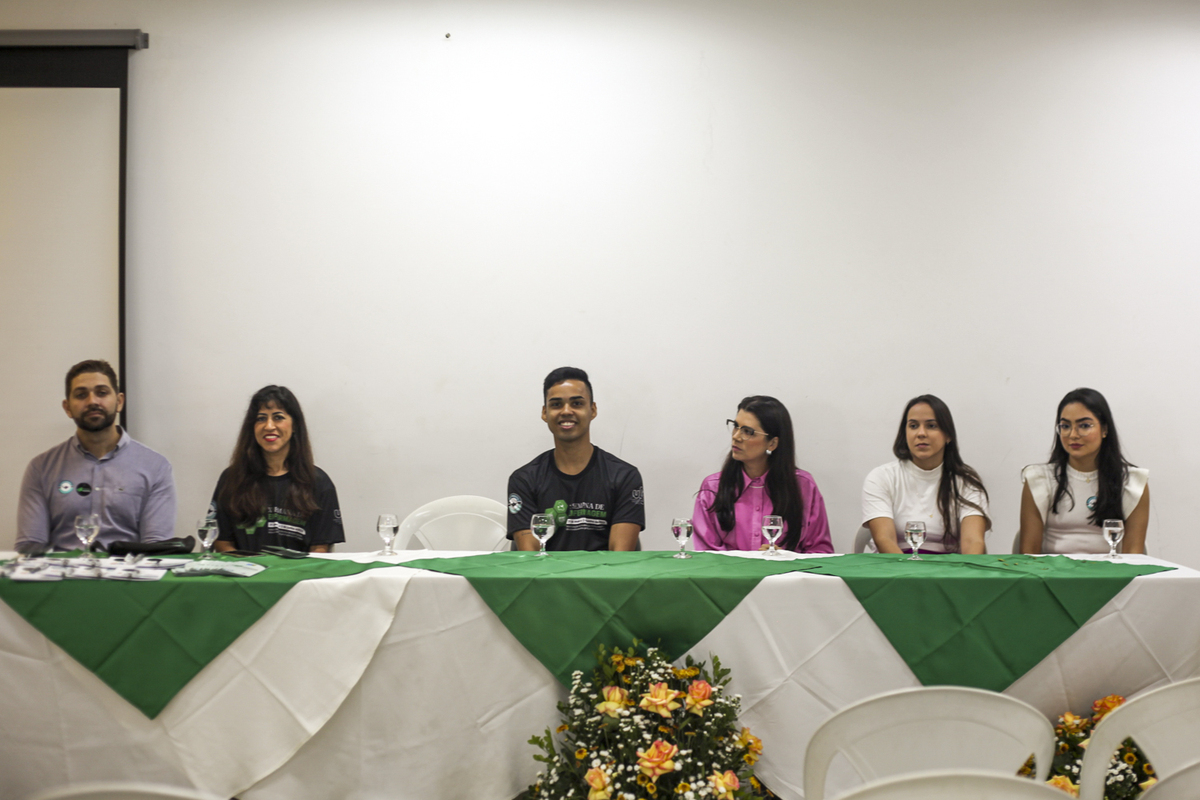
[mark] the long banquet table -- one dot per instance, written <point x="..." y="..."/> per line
<point x="403" y="683"/>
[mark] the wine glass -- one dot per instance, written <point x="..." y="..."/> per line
<point x="682" y="529"/>
<point x="87" y="528"/>
<point x="387" y="527"/>
<point x="207" y="530"/>
<point x="772" y="528"/>
<point x="1114" y="532"/>
<point x="914" y="533"/>
<point x="542" y="526"/>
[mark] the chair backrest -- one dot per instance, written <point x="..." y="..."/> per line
<point x="112" y="790"/>
<point x="1165" y="723"/>
<point x="955" y="785"/>
<point x="1181" y="785"/>
<point x="1017" y="542"/>
<point x="461" y="522"/>
<point x="929" y="728"/>
<point x="861" y="538"/>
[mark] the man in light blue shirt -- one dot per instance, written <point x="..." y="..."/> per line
<point x="99" y="470"/>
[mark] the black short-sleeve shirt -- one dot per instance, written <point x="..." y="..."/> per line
<point x="279" y="526"/>
<point x="608" y="491"/>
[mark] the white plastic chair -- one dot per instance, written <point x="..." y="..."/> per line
<point x="1181" y="785"/>
<point x="110" y="790"/>
<point x="1165" y="723"/>
<point x="926" y="728"/>
<point x="461" y="522"/>
<point x="861" y="538"/>
<point x="955" y="785"/>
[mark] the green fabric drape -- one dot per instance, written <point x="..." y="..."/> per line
<point x="148" y="639"/>
<point x="980" y="621"/>
<point x="563" y="606"/>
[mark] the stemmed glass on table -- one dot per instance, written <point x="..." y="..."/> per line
<point x="772" y="529"/>
<point x="542" y="526"/>
<point x="1114" y="532"/>
<point x="87" y="528"/>
<point x="387" y="527"/>
<point x="914" y="534"/>
<point x="207" y="530"/>
<point x="682" y="530"/>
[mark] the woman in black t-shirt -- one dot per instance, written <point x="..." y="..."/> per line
<point x="272" y="494"/>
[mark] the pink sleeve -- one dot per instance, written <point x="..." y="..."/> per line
<point x="706" y="531"/>
<point x="815" y="536"/>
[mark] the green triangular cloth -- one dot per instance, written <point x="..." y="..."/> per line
<point x="981" y="621"/>
<point x="563" y="606"/>
<point x="148" y="639"/>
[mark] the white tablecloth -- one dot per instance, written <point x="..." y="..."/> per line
<point x="400" y="683"/>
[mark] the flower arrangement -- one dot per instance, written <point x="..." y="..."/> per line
<point x="642" y="729"/>
<point x="1129" y="774"/>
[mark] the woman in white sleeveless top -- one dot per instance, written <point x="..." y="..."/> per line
<point x="1064" y="502"/>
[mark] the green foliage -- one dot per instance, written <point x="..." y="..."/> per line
<point x="608" y="743"/>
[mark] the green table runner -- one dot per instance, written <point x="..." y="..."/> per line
<point x="563" y="606"/>
<point x="148" y="639"/>
<point x="981" y="621"/>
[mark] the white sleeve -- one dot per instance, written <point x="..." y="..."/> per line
<point x="878" y="494"/>
<point x="1038" y="478"/>
<point x="1135" y="487"/>
<point x="975" y="496"/>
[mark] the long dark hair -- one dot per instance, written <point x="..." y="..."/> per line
<point x="243" y="494"/>
<point x="781" y="477"/>
<point x="955" y="473"/>
<point x="1112" y="466"/>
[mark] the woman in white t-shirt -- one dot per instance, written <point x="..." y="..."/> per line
<point x="1064" y="502"/>
<point x="928" y="482"/>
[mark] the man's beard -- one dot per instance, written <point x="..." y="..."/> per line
<point x="95" y="425"/>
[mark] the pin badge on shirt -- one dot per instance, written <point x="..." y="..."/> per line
<point x="65" y="487"/>
<point x="84" y="489"/>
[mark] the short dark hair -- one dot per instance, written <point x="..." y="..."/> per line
<point x="566" y="374"/>
<point x="92" y="365"/>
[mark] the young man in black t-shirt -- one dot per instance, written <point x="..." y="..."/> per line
<point x="595" y="497"/>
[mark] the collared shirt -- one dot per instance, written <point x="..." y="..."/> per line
<point x="131" y="487"/>
<point x="748" y="511"/>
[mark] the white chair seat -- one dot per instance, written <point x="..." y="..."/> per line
<point x="461" y="522"/>
<point x="861" y="538"/>
<point x="955" y="785"/>
<point x="1181" y="785"/>
<point x="929" y="728"/>
<point x="1165" y="723"/>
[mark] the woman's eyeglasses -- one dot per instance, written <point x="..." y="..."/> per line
<point x="749" y="433"/>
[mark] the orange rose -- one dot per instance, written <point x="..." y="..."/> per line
<point x="600" y="783"/>
<point x="750" y="742"/>
<point x="698" y="697"/>
<point x="615" y="698"/>
<point x="1071" y="723"/>
<point x="1102" y="707"/>
<point x="1064" y="783"/>
<point x="660" y="699"/>
<point x="657" y="760"/>
<point x="723" y="785"/>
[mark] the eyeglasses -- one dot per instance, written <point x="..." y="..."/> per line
<point x="749" y="433"/>
<point x="1083" y="426"/>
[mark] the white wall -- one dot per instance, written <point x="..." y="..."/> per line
<point x="60" y="206"/>
<point x="843" y="204"/>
